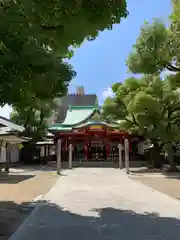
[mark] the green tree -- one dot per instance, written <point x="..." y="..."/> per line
<point x="61" y="24"/>
<point x="158" y="47"/>
<point x="154" y="50"/>
<point x="152" y="106"/>
<point x="34" y="118"/>
<point x="36" y="37"/>
<point x="109" y="109"/>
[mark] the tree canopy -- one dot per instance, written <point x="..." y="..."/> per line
<point x="151" y="108"/>
<point x="158" y="47"/>
<point x="151" y="52"/>
<point x="109" y="109"/>
<point x="34" y="119"/>
<point x="36" y="37"/>
<point x="150" y="104"/>
<point x="66" y="23"/>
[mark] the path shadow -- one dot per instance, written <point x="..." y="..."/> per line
<point x="143" y="171"/>
<point x="53" y="222"/>
<point x="52" y="166"/>
<point x="14" y="179"/>
<point x="49" y="167"/>
<point x="11" y="216"/>
<point x="91" y="164"/>
<point x="172" y="175"/>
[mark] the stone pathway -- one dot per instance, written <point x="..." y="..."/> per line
<point x="102" y="204"/>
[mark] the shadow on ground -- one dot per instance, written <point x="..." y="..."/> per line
<point x="145" y="170"/>
<point x="52" y="166"/>
<point x="101" y="224"/>
<point x="35" y="167"/>
<point x="11" y="216"/>
<point x="13" y="179"/>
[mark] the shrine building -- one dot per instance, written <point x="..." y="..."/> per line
<point x="81" y="134"/>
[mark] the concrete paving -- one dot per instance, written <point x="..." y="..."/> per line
<point x="102" y="203"/>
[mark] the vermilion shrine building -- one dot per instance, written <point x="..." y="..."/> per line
<point x="80" y="136"/>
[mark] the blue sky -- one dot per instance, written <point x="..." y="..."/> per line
<point x="101" y="62"/>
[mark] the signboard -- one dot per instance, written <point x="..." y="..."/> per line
<point x="96" y="128"/>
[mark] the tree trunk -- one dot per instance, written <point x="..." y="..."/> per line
<point x="155" y="156"/>
<point x="170" y="158"/>
<point x="42" y="116"/>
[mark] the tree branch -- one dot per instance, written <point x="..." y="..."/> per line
<point x="134" y="119"/>
<point x="132" y="122"/>
<point x="48" y="27"/>
<point x="129" y="120"/>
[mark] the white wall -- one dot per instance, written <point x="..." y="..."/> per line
<point x="14" y="154"/>
<point x="2" y="154"/>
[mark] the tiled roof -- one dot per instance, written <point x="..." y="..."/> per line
<point x="78" y="114"/>
<point x="11" y="138"/>
<point x="4" y="122"/>
<point x="75" y="115"/>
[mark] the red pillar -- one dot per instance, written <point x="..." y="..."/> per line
<point x="85" y="151"/>
<point x="107" y="149"/>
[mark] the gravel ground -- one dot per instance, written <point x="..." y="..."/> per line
<point x="169" y="186"/>
<point x="102" y="204"/>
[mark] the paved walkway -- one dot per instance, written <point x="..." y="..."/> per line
<point x="102" y="204"/>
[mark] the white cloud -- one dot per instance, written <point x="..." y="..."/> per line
<point x="107" y="93"/>
<point x="5" y="111"/>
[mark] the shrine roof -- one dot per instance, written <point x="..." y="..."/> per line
<point x="59" y="127"/>
<point x="75" y="115"/>
<point x="11" y="138"/>
<point x="9" y="131"/>
<point x="91" y="123"/>
<point x="6" y="123"/>
<point x="78" y="114"/>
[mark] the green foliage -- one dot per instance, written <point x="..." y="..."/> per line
<point x="34" y="119"/>
<point x="113" y="110"/>
<point x="151" y="108"/>
<point x="153" y="50"/>
<point x="65" y="23"/>
<point x="61" y="24"/>
<point x="158" y="47"/>
<point x="175" y="29"/>
<point x="153" y="104"/>
<point x="25" y="64"/>
<point x="36" y="37"/>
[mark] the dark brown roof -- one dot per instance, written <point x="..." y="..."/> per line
<point x="74" y="100"/>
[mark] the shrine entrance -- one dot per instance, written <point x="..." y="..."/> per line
<point x="92" y="142"/>
<point x="97" y="150"/>
<point x="84" y="138"/>
<point x="94" y="150"/>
